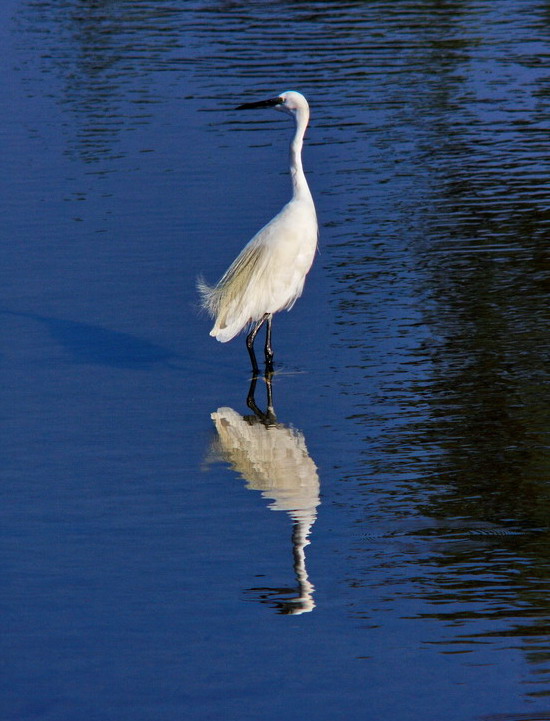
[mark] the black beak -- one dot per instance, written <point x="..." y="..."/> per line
<point x="271" y="103"/>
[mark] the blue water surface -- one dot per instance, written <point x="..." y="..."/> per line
<point x="377" y="550"/>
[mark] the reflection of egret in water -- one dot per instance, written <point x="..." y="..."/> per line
<point x="273" y="459"/>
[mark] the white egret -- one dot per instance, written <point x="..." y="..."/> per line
<point x="269" y="273"/>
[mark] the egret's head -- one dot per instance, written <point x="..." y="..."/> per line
<point x="292" y="102"/>
<point x="289" y="102"/>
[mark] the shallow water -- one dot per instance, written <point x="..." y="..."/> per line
<point x="380" y="548"/>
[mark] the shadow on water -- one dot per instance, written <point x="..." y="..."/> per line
<point x="85" y="343"/>
<point x="273" y="459"/>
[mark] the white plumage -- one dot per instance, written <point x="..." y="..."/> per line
<point x="269" y="273"/>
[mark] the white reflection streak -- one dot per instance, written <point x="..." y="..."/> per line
<point x="273" y="459"/>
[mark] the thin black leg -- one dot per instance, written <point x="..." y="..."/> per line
<point x="250" y="398"/>
<point x="250" y="344"/>
<point x="268" y="418"/>
<point x="268" y="351"/>
<point x="270" y="410"/>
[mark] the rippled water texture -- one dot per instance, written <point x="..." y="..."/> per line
<point x="377" y="546"/>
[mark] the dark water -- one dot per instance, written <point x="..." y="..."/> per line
<point x="380" y="551"/>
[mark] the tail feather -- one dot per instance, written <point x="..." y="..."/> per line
<point x="228" y="302"/>
<point x="214" y="300"/>
<point x="208" y="296"/>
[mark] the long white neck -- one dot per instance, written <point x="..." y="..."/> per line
<point x="300" y="188"/>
